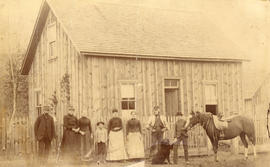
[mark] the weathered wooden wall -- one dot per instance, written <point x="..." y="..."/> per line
<point x="257" y="107"/>
<point x="102" y="76"/>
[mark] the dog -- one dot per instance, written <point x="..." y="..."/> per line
<point x="163" y="153"/>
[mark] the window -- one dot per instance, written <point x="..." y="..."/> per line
<point x="171" y="83"/>
<point x="38" y="101"/>
<point x="211" y="98"/>
<point x="52" y="41"/>
<point x="52" y="49"/>
<point x="128" y="96"/>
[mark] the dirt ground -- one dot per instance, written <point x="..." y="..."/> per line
<point x="226" y="159"/>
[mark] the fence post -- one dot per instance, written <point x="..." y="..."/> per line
<point x="3" y="133"/>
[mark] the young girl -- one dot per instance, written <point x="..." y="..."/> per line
<point x="101" y="139"/>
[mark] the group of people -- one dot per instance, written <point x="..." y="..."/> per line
<point x="111" y="143"/>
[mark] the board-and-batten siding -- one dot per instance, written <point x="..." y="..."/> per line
<point x="102" y="78"/>
<point x="256" y="108"/>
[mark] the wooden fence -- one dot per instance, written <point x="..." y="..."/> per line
<point x="197" y="140"/>
<point x="21" y="140"/>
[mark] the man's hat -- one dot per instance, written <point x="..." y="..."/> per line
<point x="114" y="110"/>
<point x="46" y="108"/>
<point x="156" y="108"/>
<point x="71" y="108"/>
<point x="100" y="122"/>
<point x="179" y="114"/>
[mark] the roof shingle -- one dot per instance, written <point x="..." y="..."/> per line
<point x="142" y="28"/>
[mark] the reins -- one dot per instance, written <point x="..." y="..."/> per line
<point x="205" y="125"/>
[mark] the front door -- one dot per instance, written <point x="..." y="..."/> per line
<point x="171" y="96"/>
<point x="171" y="101"/>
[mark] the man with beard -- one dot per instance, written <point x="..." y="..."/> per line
<point x="44" y="132"/>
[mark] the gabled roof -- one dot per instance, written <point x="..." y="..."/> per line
<point x="255" y="84"/>
<point x="139" y="28"/>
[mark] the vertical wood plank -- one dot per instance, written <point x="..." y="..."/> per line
<point x="144" y="88"/>
<point x="149" y="87"/>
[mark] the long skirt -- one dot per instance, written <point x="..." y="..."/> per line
<point x="70" y="145"/>
<point x="135" y="147"/>
<point x="86" y="143"/>
<point x="116" y="147"/>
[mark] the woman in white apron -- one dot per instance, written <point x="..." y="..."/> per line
<point x="116" y="147"/>
<point x="135" y="147"/>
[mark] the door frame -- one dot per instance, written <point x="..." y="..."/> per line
<point x="209" y="82"/>
<point x="180" y="94"/>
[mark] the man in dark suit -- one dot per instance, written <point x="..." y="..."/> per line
<point x="44" y="133"/>
<point x="180" y="135"/>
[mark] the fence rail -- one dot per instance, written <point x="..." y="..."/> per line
<point x="21" y="139"/>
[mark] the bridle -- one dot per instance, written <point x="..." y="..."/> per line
<point x="205" y="124"/>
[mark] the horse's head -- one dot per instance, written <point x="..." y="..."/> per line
<point x="194" y="119"/>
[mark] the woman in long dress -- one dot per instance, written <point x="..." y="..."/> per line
<point x="116" y="148"/>
<point x="86" y="138"/>
<point x="135" y="147"/>
<point x="70" y="142"/>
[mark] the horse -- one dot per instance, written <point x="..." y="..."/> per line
<point x="237" y="126"/>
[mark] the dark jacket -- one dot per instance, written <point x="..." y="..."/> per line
<point x="133" y="125"/>
<point x="180" y="128"/>
<point x="85" y="124"/>
<point x="115" y="122"/>
<point x="70" y="140"/>
<point x="44" y="127"/>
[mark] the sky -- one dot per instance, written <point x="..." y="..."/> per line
<point x="244" y="22"/>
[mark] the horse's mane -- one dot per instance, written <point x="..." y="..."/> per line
<point x="208" y="124"/>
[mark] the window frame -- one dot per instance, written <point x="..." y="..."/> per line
<point x="210" y="82"/>
<point x="51" y="36"/>
<point x="172" y="87"/>
<point x="52" y="55"/>
<point x="128" y="82"/>
<point x="180" y="89"/>
<point x="37" y="97"/>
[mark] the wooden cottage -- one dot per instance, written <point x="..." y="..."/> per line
<point x="256" y="108"/>
<point x="132" y="56"/>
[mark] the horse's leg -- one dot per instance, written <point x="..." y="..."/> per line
<point x="244" y="141"/>
<point x="253" y="141"/>
<point x="215" y="148"/>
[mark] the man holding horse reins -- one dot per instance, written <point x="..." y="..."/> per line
<point x="180" y="134"/>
